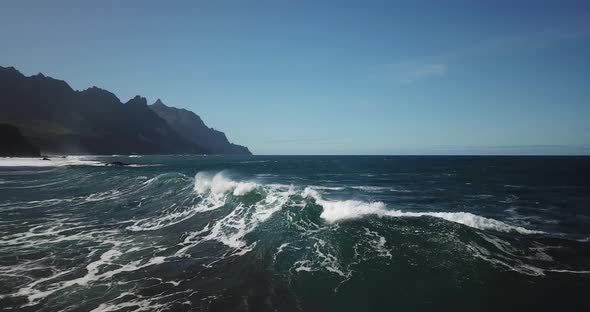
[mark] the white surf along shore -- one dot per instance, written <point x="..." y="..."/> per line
<point x="54" y="161"/>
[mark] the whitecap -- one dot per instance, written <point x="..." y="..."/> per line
<point x="220" y="184"/>
<point x="334" y="211"/>
<point x="327" y="188"/>
<point x="370" y="189"/>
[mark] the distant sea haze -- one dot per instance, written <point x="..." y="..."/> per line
<point x="59" y="120"/>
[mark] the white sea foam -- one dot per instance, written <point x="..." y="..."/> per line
<point x="100" y="196"/>
<point x="396" y="190"/>
<point x="231" y="229"/>
<point x="53" y="162"/>
<point x="220" y="184"/>
<point x="513" y="259"/>
<point x="180" y="210"/>
<point x="322" y="257"/>
<point x="280" y="249"/>
<point x="537" y="254"/>
<point x="377" y="243"/>
<point x="334" y="210"/>
<point x="244" y="218"/>
<point x="568" y="271"/>
<point x="371" y="189"/>
<point x="211" y="188"/>
<point x="137" y="302"/>
<point x="143" y="166"/>
<point x="94" y="272"/>
<point x="151" y="224"/>
<point x="48" y="234"/>
<point x="327" y="188"/>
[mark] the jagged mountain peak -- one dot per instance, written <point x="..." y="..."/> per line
<point x="137" y="100"/>
<point x="191" y="127"/>
<point x="99" y="92"/>
<point x="61" y="120"/>
<point x="158" y="102"/>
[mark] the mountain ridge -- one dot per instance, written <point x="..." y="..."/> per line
<point x="61" y="120"/>
<point x="190" y="126"/>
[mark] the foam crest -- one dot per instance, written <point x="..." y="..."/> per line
<point x="212" y="189"/>
<point x="220" y="184"/>
<point x="370" y="189"/>
<point x="327" y="188"/>
<point x="334" y="210"/>
<point x="342" y="210"/>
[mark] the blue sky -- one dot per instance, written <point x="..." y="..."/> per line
<point x="331" y="77"/>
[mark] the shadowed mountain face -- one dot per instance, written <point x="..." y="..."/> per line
<point x="14" y="144"/>
<point x="61" y="120"/>
<point x="190" y="126"/>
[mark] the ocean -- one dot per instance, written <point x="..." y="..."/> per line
<point x="295" y="233"/>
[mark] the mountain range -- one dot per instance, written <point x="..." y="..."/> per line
<point x="60" y="120"/>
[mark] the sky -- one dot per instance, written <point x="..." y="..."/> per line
<point x="331" y="77"/>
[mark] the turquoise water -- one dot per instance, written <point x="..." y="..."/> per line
<point x="330" y="233"/>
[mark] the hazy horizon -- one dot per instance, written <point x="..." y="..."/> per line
<point x="349" y="78"/>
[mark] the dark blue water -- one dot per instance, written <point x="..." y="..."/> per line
<point x="378" y="233"/>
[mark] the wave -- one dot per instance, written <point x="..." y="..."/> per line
<point x="300" y="227"/>
<point x="214" y="190"/>
<point x="362" y="188"/>
<point x="180" y="205"/>
<point x="327" y="188"/>
<point x="244" y="218"/>
<point x="334" y="211"/>
<point x="220" y="184"/>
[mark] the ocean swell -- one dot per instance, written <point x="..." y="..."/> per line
<point x="334" y="211"/>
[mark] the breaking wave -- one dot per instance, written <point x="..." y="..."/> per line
<point x="214" y="189"/>
<point x="243" y="218"/>
<point x="219" y="184"/>
<point x="334" y="211"/>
